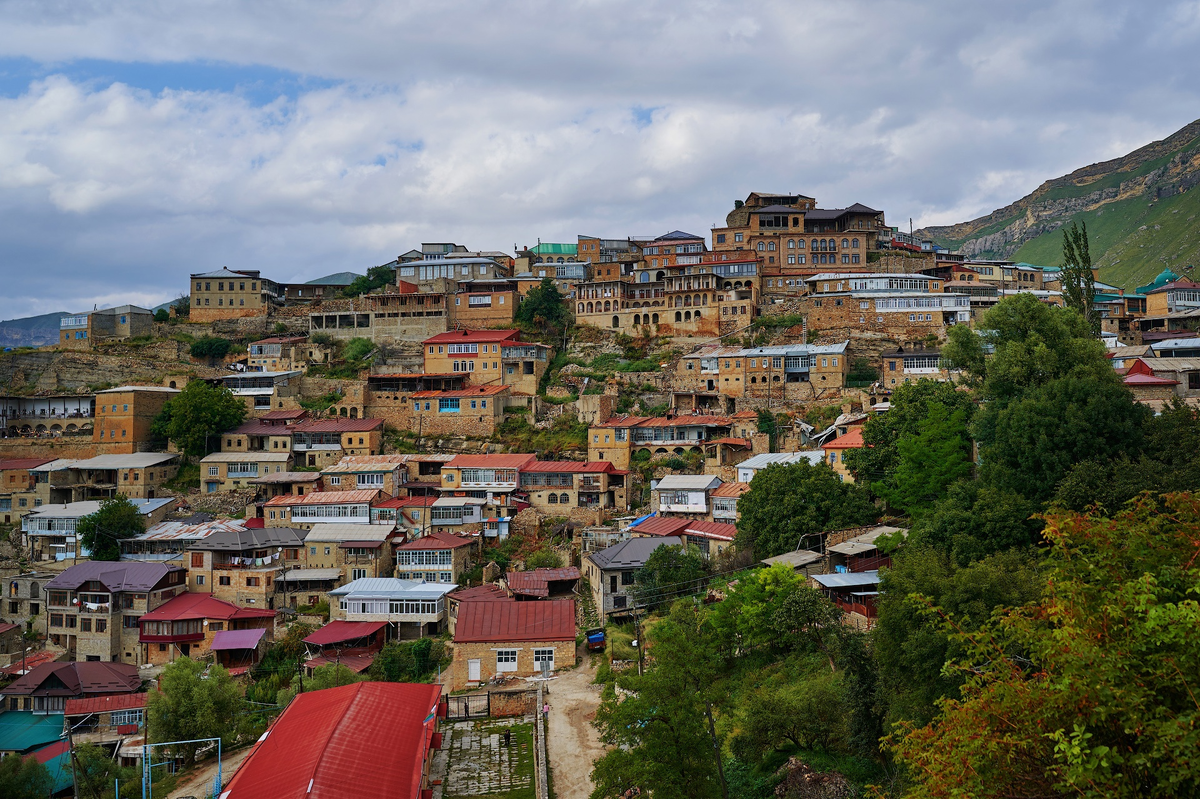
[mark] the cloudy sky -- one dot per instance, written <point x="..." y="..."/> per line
<point x="141" y="141"/>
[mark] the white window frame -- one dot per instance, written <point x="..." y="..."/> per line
<point x="506" y="660"/>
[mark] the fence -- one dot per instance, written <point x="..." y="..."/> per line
<point x="493" y="704"/>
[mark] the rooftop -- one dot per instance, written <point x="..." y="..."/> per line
<point x="488" y="621"/>
<point x="338" y="631"/>
<point x="385" y="587"/>
<point x="437" y="540"/>
<point x="202" y="606"/>
<point x="631" y="554"/>
<point x="357" y="497"/>
<point x="473" y="336"/>
<point x="490" y="461"/>
<point x="337" y="426"/>
<point x="77" y="678"/>
<point x="119" y="576"/>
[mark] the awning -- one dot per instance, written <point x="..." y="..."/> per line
<point x="337" y="631"/>
<point x="237" y="639"/>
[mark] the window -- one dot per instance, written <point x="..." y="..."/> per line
<point x="212" y="471"/>
<point x="358" y="574"/>
<point x="541" y="656"/>
<point x="222" y="581"/>
<point x="737" y="236"/>
<point x="506" y="660"/>
<point x="720" y="238"/>
<point x="200" y="579"/>
<point x="197" y="560"/>
<point x="253" y="582"/>
<point x="1193" y="380"/>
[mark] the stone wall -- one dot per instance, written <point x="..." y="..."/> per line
<point x="511" y="703"/>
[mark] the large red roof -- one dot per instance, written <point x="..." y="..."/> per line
<point x="473" y="336"/>
<point x="852" y="440"/>
<point x="104" y="704"/>
<point x="367" y="740"/>
<point x="473" y="391"/>
<point x="586" y="467"/>
<point x="76" y="678"/>
<point x="537" y="582"/>
<point x="337" y="631"/>
<point x="355" y="496"/>
<point x="661" y="525"/>
<point x="202" y="606"/>
<point x="480" y="593"/>
<point x="504" y="622"/>
<point x="489" y="461"/>
<point x="22" y="463"/>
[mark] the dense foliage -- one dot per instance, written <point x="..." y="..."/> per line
<point x="212" y="347"/>
<point x="195" y="418"/>
<point x="103" y="531"/>
<point x="24" y="778"/>
<point x="544" y="307"/>
<point x="193" y="701"/>
<point x="377" y="277"/>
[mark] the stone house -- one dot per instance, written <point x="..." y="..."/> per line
<point x="483" y="303"/>
<point x="837" y="449"/>
<point x="789" y="229"/>
<point x="557" y="487"/>
<point x="243" y="566"/>
<point x="265" y="391"/>
<point x="475" y="353"/>
<point x="358" y="550"/>
<point x="710" y="538"/>
<point x="906" y="306"/>
<point x="610" y="572"/>
<point x="411" y="608"/>
<point x="270" y="432"/>
<point x="488" y="592"/>
<point x="900" y="366"/>
<point x="185" y="626"/>
<point x="785" y="372"/>
<point x="618" y="438"/>
<point x="17" y="484"/>
<point x="12" y="645"/>
<point x="93" y="609"/>
<point x="124" y="416"/>
<point x="23" y="599"/>
<point x="514" y="639"/>
<point x="323" y="442"/>
<point x="233" y="471"/>
<point x="137" y="476"/>
<point x="48" y="687"/>
<point x="475" y="412"/>
<point x="228" y="294"/>
<point x="438" y="557"/>
<point x="493" y="478"/>
<point x="384" y="472"/>
<point x="281" y="353"/>
<point x="344" y="507"/>
<point x="278" y="484"/>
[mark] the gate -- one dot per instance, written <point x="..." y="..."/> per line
<point x="470" y="706"/>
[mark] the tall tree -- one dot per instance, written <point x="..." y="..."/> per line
<point x="1078" y="282"/>
<point x="24" y="778"/>
<point x="787" y="504"/>
<point x="670" y="572"/>
<point x="932" y="457"/>
<point x="191" y="704"/>
<point x="196" y="417"/>
<point x="543" y="307"/>
<point x="1091" y="690"/>
<point x="102" y="532"/>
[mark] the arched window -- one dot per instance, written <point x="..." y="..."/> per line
<point x="845" y="243"/>
<point x="697" y="314"/>
<point x="762" y="246"/>
<point x="800" y="244"/>
<point x="687" y="316"/>
<point x="607" y="305"/>
<point x="637" y="318"/>
<point x="854" y="243"/>
<point x="791" y="244"/>
<point x="704" y="299"/>
<point x="654" y="318"/>
<point x="616" y="322"/>
<point x="560" y="260"/>
<point x="581" y="307"/>
<point x="539" y="260"/>
<point x="753" y="380"/>
<point x="771" y="246"/>
<point x="678" y="316"/>
<point x="563" y="499"/>
<point x="553" y="499"/>
<point x="644" y="277"/>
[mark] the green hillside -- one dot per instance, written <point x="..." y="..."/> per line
<point x="1131" y="240"/>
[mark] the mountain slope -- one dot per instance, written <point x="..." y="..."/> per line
<point x="1140" y="212"/>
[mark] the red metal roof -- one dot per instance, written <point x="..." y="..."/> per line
<point x="367" y="740"/>
<point x="407" y="502"/>
<point x="280" y="340"/>
<point x="537" y="582"/>
<point x="732" y="442"/>
<point x="489" y="461"/>
<point x="437" y="540"/>
<point x="715" y="530"/>
<point x="471" y="336"/>
<point x="730" y="490"/>
<point x="479" y="593"/>
<point x="74" y="678"/>
<point x="202" y="606"/>
<point x="852" y="440"/>
<point x="357" y="663"/>
<point x="338" y="631"/>
<point x="358" y="495"/>
<point x="32" y="661"/>
<point x="5" y="627"/>
<point x="503" y="622"/>
<point x="337" y="426"/>
<point x="569" y="466"/>
<point x="22" y="463"/>
<point x="680" y="420"/>
<point x="473" y="391"/>
<point x="661" y="525"/>
<point x="298" y="413"/>
<point x="103" y="704"/>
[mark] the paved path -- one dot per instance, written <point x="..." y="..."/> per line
<point x="572" y="741"/>
<point x="479" y="764"/>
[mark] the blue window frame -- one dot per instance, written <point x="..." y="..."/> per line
<point x="448" y="406"/>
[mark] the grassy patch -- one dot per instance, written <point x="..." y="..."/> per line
<point x="318" y="404"/>
<point x="187" y="478"/>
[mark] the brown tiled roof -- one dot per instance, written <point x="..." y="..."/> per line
<point x="327" y="497"/>
<point x="438" y="540"/>
<point x="733" y="489"/>
<point x="76" y="678"/>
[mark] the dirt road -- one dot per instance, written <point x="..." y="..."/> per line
<point x="199" y="782"/>
<point x="572" y="742"/>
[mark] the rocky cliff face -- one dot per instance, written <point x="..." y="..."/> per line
<point x="1157" y="171"/>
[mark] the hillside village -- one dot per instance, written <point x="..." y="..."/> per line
<point x="464" y="478"/>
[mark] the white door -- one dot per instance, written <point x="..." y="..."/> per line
<point x="473" y="670"/>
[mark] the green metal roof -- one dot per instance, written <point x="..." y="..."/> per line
<point x="22" y="730"/>
<point x="336" y="279"/>
<point x="547" y="248"/>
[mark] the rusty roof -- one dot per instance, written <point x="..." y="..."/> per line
<point x="730" y="490"/>
<point x="569" y="466"/>
<point x="337" y="426"/>
<point x="327" y="497"/>
<point x="537" y="582"/>
<point x="438" y="540"/>
<point x="514" y="461"/>
<point x="473" y="391"/>
<point x="470" y="336"/>
<point x="104" y="704"/>
<point x="23" y="463"/>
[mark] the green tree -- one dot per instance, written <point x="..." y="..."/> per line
<point x="24" y="778"/>
<point x="747" y="615"/>
<point x="544" y="558"/>
<point x="161" y="315"/>
<point x="662" y="730"/>
<point x="95" y="771"/>
<point x="331" y="675"/>
<point x="190" y="704"/>
<point x="911" y="648"/>
<point x="909" y="408"/>
<point x="670" y="572"/>
<point x="376" y="277"/>
<point x="974" y="520"/>
<point x="543" y="307"/>
<point x="101" y="532"/>
<point x="812" y="623"/>
<point x="1078" y="282"/>
<point x="932" y="458"/>
<point x="212" y="347"/>
<point x="195" y="418"/>
<point x="787" y="504"/>
<point x="1089" y="691"/>
<point x="809" y="713"/>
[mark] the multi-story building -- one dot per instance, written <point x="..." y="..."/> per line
<point x="902" y="366"/>
<point x="616" y="439"/>
<point x="271" y="432"/>
<point x="233" y="471"/>
<point x="242" y="566"/>
<point x="82" y="331"/>
<point x="124" y="416"/>
<point x="265" y="391"/>
<point x="344" y="507"/>
<point x="784" y="372"/>
<point x="169" y="541"/>
<point x="227" y="294"/>
<point x="476" y="411"/>
<point x="47" y="688"/>
<point x="724" y="500"/>
<point x="384" y="472"/>
<point x="494" y="477"/>
<point x="836" y="450"/>
<point x="411" y="608"/>
<point x="357" y="550"/>
<point x="17" y="484"/>
<point x="556" y="487"/>
<point x="906" y="305"/>
<point x="610" y="572"/>
<point x="322" y="442"/>
<point x="618" y="254"/>
<point x="438" y="557"/>
<point x="23" y="598"/>
<point x="185" y="625"/>
<point x="484" y="303"/>
<point x="284" y="353"/>
<point x="93" y="609"/>
<point x="685" y="495"/>
<point x="475" y="353"/>
<point x="49" y="531"/>
<point x="327" y="287"/>
<point x="791" y="230"/>
<point x="137" y="476"/>
<point x="67" y="415"/>
<point x="708" y="537"/>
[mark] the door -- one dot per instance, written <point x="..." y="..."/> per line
<point x="473" y="670"/>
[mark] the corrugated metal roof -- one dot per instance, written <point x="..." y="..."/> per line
<point x="74" y="510"/>
<point x="730" y="490"/>
<point x="285" y="477"/>
<point x="327" y="743"/>
<point x="355" y="497"/>
<point x="573" y="467"/>
<point x="179" y="531"/>
<point x="688" y="482"/>
<point x="247" y="457"/>
<point x="350" y="532"/>
<point x="847" y="579"/>
<point x="337" y="631"/>
<point x="537" y="582"/>
<point x="202" y="606"/>
<point x="490" y="461"/>
<point x="130" y="576"/>
<point x="766" y="459"/>
<point x="237" y="639"/>
<point x="104" y="704"/>
<point x="437" y="540"/>
<point x="801" y="557"/>
<point x="297" y="575"/>
<point x="75" y="678"/>
<point x="481" y="593"/>
<point x="394" y="587"/>
<point x="503" y="622"/>
<point x="23" y="463"/>
<point x="138" y="460"/>
<point x="473" y="336"/>
<point x="631" y="554"/>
